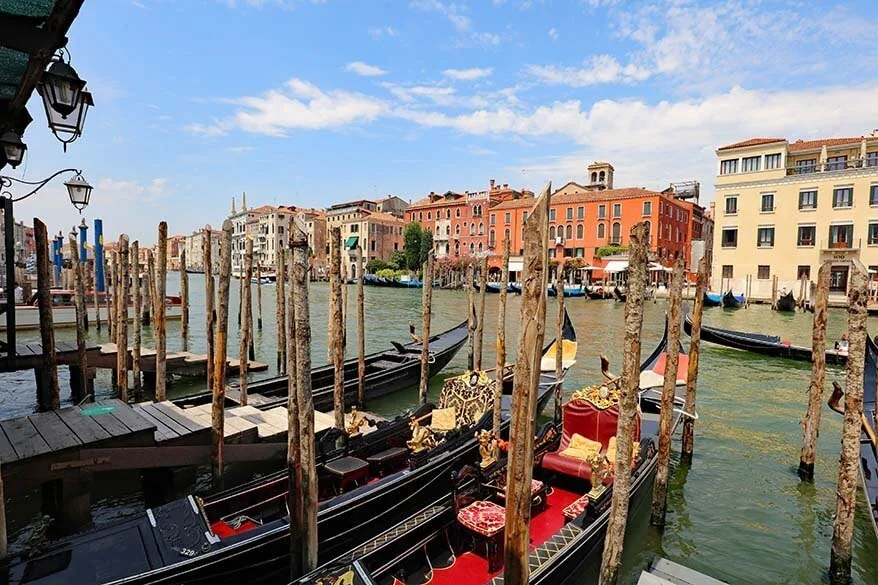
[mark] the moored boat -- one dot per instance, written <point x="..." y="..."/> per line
<point x="786" y="302"/>
<point x="730" y="301"/>
<point x="712" y="299"/>
<point x="620" y="296"/>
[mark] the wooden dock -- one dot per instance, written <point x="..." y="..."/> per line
<point x="665" y="572"/>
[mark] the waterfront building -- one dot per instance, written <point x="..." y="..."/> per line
<point x="271" y="235"/>
<point x="783" y="207"/>
<point x="314" y="221"/>
<point x="194" y="248"/>
<point x="379" y="234"/>
<point x="243" y="223"/>
<point x="460" y="222"/>
<point x="392" y="205"/>
<point x="176" y="245"/>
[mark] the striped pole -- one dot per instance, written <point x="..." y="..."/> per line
<point x="99" y="255"/>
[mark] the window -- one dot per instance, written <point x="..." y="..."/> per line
<point x="730" y="237"/>
<point x="872" y="159"/>
<point x="569" y="231"/>
<point x="551" y="215"/>
<point x="420" y="216"/>
<point x="602" y="211"/>
<point x="601" y="176"/>
<point x="472" y="229"/>
<point x="457" y="212"/>
<point x="648" y="229"/>
<point x="579" y="252"/>
<point x="477" y="211"/>
<point x="732" y="205"/>
<point x="457" y="230"/>
<point x="580" y="231"/>
<point x="481" y="228"/>
<point x="472" y="248"/>
<point x="491" y="238"/>
<point x="493" y="219"/>
<point x="617" y="210"/>
<point x="842" y="197"/>
<point x="447" y="216"/>
<point x="602" y="231"/>
<point x="617" y="232"/>
<point x="806" y="236"/>
<point x="763" y="272"/>
<point x="355" y="228"/>
<point x="480" y="247"/>
<point x="806" y="166"/>
<point x="727" y="167"/>
<point x="506" y="234"/>
<point x="551" y="252"/>
<point x="551" y="232"/>
<point x="569" y="213"/>
<point x="836" y="163"/>
<point x="508" y="217"/>
<point x="580" y="212"/>
<point x="647" y="208"/>
<point x="728" y="271"/>
<point x="873" y="195"/>
<point x="373" y="245"/>
<point x="447" y="230"/>
<point x="873" y="233"/>
<point x="750" y="164"/>
<point x="803" y="271"/>
<point x="767" y="202"/>
<point x="429" y="215"/>
<point x="772" y="161"/>
<point x="523" y="216"/>
<point x="765" y="237"/>
<point x="807" y="199"/>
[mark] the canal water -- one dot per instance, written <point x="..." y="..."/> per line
<point x="738" y="513"/>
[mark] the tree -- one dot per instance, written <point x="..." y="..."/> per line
<point x="426" y="245"/>
<point x="412" y="245"/>
<point x="373" y="266"/>
<point x="398" y="260"/>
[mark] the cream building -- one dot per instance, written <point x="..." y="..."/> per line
<point x="782" y="208"/>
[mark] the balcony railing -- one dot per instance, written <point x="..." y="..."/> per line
<point x="827" y="167"/>
<point x="829" y="245"/>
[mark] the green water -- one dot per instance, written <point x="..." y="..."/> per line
<point x="739" y="512"/>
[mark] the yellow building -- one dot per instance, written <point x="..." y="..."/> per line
<point x="782" y="208"/>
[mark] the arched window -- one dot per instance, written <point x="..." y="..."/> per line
<point x="579" y="231"/>
<point x="429" y="215"/>
<point x="457" y="248"/>
<point x="569" y="232"/>
<point x="457" y="212"/>
<point x="594" y="177"/>
<point x="447" y="230"/>
<point x="420" y="215"/>
<point x="491" y="238"/>
<point x="472" y="248"/>
<point x="480" y="247"/>
<point x="602" y="177"/>
<point x="447" y="214"/>
<point x="617" y="232"/>
<point x="602" y="231"/>
<point x="551" y="232"/>
<point x="481" y="228"/>
<point x="446" y="247"/>
<point x="457" y="230"/>
<point x="472" y="229"/>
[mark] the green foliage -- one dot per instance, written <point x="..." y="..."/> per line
<point x="426" y="244"/>
<point x="412" y="245"/>
<point x="398" y="260"/>
<point x="374" y="266"/>
<point x="609" y="250"/>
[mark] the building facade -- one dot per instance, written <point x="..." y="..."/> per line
<point x="379" y="234"/>
<point x="783" y="207"/>
<point x="314" y="221"/>
<point x="195" y="249"/>
<point x="272" y="233"/>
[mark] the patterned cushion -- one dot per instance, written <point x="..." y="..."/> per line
<point x="535" y="486"/>
<point x="572" y="511"/>
<point x="469" y="401"/>
<point x="486" y="518"/>
<point x="443" y="419"/>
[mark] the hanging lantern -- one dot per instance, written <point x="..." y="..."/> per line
<point x="12" y="148"/>
<point x="79" y="191"/>
<point x="60" y="87"/>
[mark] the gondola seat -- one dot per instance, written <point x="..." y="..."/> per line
<point x="574" y="510"/>
<point x="227" y="528"/>
<point x="487" y="521"/>
<point x="582" y="417"/>
<point x="538" y="493"/>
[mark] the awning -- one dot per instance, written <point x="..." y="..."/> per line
<point x="516" y="265"/>
<point x="616" y="266"/>
<point x="656" y="267"/>
<point x="351" y="242"/>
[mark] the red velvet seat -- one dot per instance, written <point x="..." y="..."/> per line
<point x="584" y="418"/>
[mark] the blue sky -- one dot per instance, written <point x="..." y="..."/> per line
<point x="310" y="102"/>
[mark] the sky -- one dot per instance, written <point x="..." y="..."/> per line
<point x="314" y="102"/>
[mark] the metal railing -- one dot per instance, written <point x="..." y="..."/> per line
<point x="828" y="167"/>
<point x="830" y="245"/>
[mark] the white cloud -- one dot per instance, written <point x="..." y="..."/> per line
<point x="364" y="69"/>
<point x="383" y="31"/>
<point x="468" y="74"/>
<point x="599" y="69"/>
<point x="553" y="34"/>
<point x="239" y="149"/>
<point x="461" y="22"/>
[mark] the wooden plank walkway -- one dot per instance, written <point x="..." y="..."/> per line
<point x="665" y="572"/>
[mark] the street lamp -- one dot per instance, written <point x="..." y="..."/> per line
<point x="79" y="191"/>
<point x="12" y="148"/>
<point x="65" y="100"/>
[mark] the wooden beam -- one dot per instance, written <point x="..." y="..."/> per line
<point x="811" y="422"/>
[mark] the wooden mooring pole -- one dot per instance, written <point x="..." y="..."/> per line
<point x="259" y="296"/>
<point x="137" y="293"/>
<point x="694" y="352"/>
<point x="660" y="486"/>
<point x="471" y="315"/>
<point x="559" y="341"/>
<point x="336" y="344"/>
<point x="296" y="493"/>
<point x="184" y="298"/>
<point x="161" y="375"/>
<point x="210" y="300"/>
<point x="122" y="322"/>
<point x="524" y="393"/>
<point x="281" y="311"/>
<point x="480" y="323"/>
<point x="629" y="387"/>
<point x="221" y="344"/>
<point x="426" y="308"/>
<point x="149" y="316"/>
<point x="48" y="392"/>
<point x="501" y="337"/>
<point x="848" y="467"/>
<point x="306" y="402"/>
<point x="361" y="331"/>
<point x="247" y="324"/>
<point x="774" y="291"/>
<point x="811" y="421"/>
<point x="94" y="294"/>
<point x="107" y="295"/>
<point x="79" y="373"/>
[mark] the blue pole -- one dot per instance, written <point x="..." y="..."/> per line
<point x="99" y="254"/>
<point x="83" y="238"/>
<point x="58" y="259"/>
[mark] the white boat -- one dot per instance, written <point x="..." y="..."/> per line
<point x="27" y="316"/>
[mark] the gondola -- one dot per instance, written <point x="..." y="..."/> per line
<point x="458" y="539"/>
<point x="241" y="535"/>
<point x="713" y="299"/>
<point x="620" y="296"/>
<point x="386" y="371"/>
<point x="598" y="293"/>
<point x="765" y="344"/>
<point x="786" y="302"/>
<point x="491" y="287"/>
<point x="730" y="301"/>
<point x="868" y="442"/>
<point x="406" y="284"/>
<point x="514" y="287"/>
<point x="569" y="291"/>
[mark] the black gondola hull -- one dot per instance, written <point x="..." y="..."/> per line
<point x="786" y="303"/>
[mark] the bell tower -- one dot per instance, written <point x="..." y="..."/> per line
<point x="600" y="175"/>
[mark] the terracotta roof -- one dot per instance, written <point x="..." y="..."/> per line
<point x="379" y="215"/>
<point x="440" y="200"/>
<point x="515" y="204"/>
<point x="751" y="142"/>
<point x="800" y="145"/>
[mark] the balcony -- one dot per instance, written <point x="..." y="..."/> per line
<point x="829" y="245"/>
<point x="828" y="167"/>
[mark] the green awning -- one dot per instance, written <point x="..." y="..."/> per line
<point x="351" y="242"/>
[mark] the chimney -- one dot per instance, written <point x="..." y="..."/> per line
<point x="492" y="180"/>
<point x="875" y="132"/>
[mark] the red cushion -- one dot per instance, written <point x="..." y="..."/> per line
<point x="682" y="365"/>
<point x="567" y="466"/>
<point x="486" y="518"/>
<point x="573" y="511"/>
<point x="223" y="530"/>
